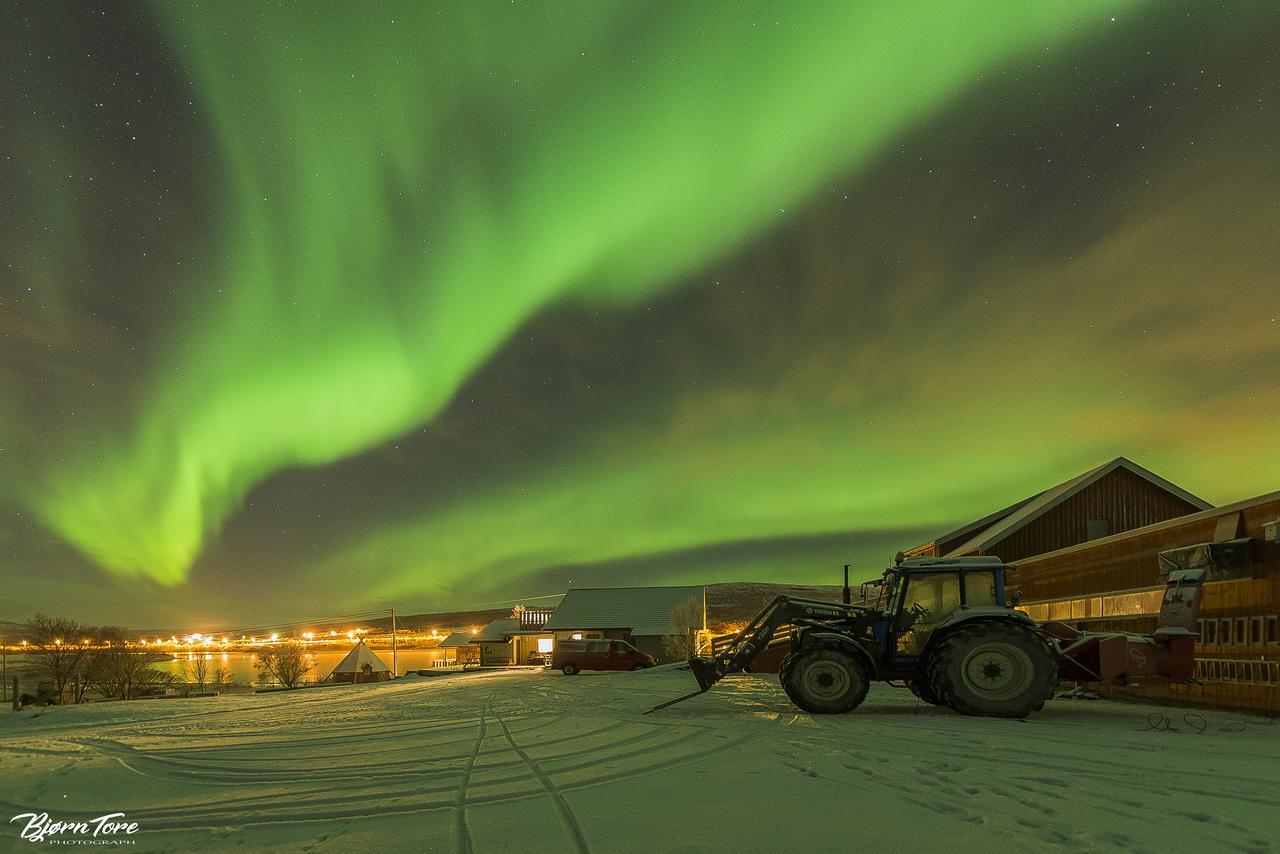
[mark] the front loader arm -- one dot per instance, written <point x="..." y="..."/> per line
<point x="756" y="635"/>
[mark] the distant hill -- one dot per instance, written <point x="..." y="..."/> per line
<point x="439" y="620"/>
<point x="727" y="603"/>
<point x="739" y="601"/>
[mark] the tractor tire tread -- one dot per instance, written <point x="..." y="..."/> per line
<point x="861" y="681"/>
<point x="1044" y="673"/>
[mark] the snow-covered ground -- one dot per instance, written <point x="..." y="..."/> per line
<point x="534" y="762"/>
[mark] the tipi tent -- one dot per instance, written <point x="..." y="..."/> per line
<point x="360" y="665"/>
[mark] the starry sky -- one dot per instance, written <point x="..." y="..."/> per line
<point x="312" y="308"/>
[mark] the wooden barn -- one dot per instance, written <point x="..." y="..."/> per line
<point x="1114" y="497"/>
<point x="1115" y="583"/>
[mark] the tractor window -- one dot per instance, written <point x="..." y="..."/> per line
<point x="935" y="593"/>
<point x="931" y="597"/>
<point x="979" y="588"/>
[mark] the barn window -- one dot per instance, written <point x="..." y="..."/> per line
<point x="1272" y="629"/>
<point x="1099" y="528"/>
<point x="1255" y="631"/>
<point x="1209" y="632"/>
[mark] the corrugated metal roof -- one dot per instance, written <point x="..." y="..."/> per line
<point x="643" y="610"/>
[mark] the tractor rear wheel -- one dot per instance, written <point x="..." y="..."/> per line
<point x="825" y="681"/>
<point x="999" y="670"/>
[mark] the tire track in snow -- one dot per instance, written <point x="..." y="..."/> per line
<point x="566" y="812"/>
<point x="461" y="832"/>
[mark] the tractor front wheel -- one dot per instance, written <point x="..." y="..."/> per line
<point x="825" y="681"/>
<point x="999" y="670"/>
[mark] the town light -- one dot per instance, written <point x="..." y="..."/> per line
<point x="57" y="641"/>
<point x="351" y="635"/>
<point x="308" y="635"/>
<point x="274" y="637"/>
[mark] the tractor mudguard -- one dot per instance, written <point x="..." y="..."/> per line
<point x="835" y="640"/>
<point x="964" y="616"/>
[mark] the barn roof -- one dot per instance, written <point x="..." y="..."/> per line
<point x="359" y="656"/>
<point x="1020" y="514"/>
<point x="643" y="610"/>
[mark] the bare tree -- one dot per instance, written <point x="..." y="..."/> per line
<point x="686" y="619"/>
<point x="119" y="672"/>
<point x="222" y="677"/>
<point x="287" y="662"/>
<point x="198" y="670"/>
<point x="58" y="650"/>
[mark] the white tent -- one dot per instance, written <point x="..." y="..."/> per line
<point x="360" y="665"/>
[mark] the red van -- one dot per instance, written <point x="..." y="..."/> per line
<point x="572" y="656"/>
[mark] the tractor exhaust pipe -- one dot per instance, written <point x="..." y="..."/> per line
<point x="844" y="594"/>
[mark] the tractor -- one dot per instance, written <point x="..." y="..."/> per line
<point x="944" y="628"/>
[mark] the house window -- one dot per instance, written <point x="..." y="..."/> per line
<point x="1099" y="528"/>
<point x="1242" y="631"/>
<point x="545" y="644"/>
<point x="1255" y="631"/>
<point x="1272" y="636"/>
<point x="1224" y="632"/>
<point x="1209" y="632"/>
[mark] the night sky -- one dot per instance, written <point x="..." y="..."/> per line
<point x="311" y="308"/>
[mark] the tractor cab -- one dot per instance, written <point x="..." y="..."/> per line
<point x="921" y="595"/>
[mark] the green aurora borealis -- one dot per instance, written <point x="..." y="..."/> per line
<point x="453" y="303"/>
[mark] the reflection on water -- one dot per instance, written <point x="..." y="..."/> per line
<point x="240" y="664"/>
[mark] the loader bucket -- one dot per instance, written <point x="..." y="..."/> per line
<point x="704" y="670"/>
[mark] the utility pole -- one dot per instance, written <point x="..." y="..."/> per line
<point x="395" y="668"/>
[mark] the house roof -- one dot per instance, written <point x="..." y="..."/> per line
<point x="355" y="661"/>
<point x="498" y="630"/>
<point x="643" y="610"/>
<point x="1037" y="505"/>
<point x="458" y="639"/>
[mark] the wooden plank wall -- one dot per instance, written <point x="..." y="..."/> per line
<point x="1131" y="561"/>
<point x="1121" y="497"/>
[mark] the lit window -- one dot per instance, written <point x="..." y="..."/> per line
<point x="545" y="644"/>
